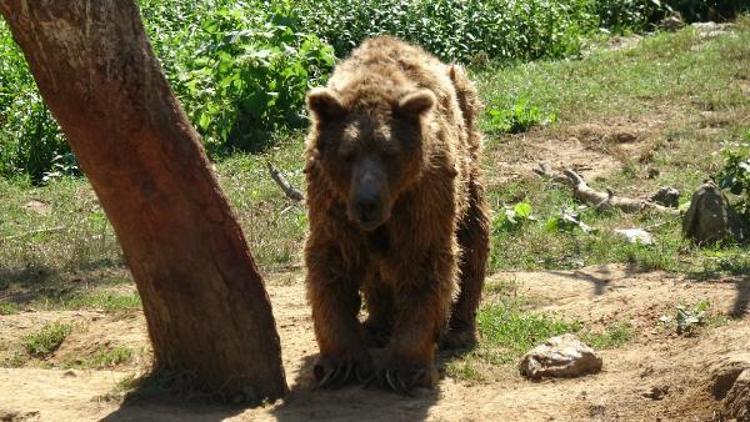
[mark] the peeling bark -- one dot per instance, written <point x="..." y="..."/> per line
<point x="205" y="303"/>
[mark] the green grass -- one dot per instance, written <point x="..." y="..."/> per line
<point x="98" y="300"/>
<point x="614" y="336"/>
<point x="508" y="332"/>
<point x="8" y="308"/>
<point x="673" y="79"/>
<point x="44" y="342"/>
<point x="109" y="357"/>
<point x="660" y="70"/>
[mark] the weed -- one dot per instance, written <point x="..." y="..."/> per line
<point x="16" y="360"/>
<point x="8" y="308"/>
<point x="519" y="118"/>
<point x="614" y="336"/>
<point x="512" y="218"/>
<point x="44" y="342"/>
<point x="110" y="357"/>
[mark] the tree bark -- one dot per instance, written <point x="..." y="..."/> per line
<point x="205" y="303"/>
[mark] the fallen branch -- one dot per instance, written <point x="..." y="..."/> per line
<point x="599" y="200"/>
<point x="290" y="191"/>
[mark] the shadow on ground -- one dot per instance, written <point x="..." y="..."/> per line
<point x="36" y="282"/>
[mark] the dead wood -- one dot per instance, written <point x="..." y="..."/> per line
<point x="290" y="191"/>
<point x="597" y="199"/>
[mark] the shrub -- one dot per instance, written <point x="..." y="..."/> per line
<point x="735" y="178"/>
<point x="29" y="137"/>
<point x="628" y="15"/>
<point x="456" y="30"/>
<point x="249" y="75"/>
<point x="701" y="10"/>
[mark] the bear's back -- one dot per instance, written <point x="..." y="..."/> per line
<point x="388" y="68"/>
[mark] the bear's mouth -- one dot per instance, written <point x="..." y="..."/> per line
<point x="370" y="226"/>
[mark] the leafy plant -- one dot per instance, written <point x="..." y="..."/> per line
<point x="512" y="218"/>
<point x="250" y="76"/>
<point x="629" y="15"/>
<point x="519" y="118"/>
<point x="735" y="177"/>
<point x="567" y="221"/>
<point x="687" y="318"/>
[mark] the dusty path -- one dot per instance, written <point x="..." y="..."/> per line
<point x="596" y="296"/>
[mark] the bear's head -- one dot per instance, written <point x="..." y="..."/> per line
<point x="369" y="147"/>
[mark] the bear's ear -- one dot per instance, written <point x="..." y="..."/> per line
<point x="325" y="104"/>
<point x="416" y="103"/>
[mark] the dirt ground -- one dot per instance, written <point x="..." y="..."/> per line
<point x="656" y="358"/>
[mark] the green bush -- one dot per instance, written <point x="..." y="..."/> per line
<point x="248" y="76"/>
<point x="735" y="177"/>
<point x="701" y="10"/>
<point x="628" y="15"/>
<point x="457" y="30"/>
<point x="29" y="137"/>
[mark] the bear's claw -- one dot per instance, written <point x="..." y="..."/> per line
<point x="400" y="381"/>
<point x="334" y="374"/>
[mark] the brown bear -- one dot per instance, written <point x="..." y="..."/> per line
<point x="397" y="214"/>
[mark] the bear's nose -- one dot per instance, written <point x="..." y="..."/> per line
<point x="368" y="209"/>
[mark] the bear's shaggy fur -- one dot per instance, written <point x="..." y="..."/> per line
<point x="397" y="213"/>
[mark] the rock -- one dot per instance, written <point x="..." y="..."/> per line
<point x="709" y="218"/>
<point x="563" y="356"/>
<point x="667" y="196"/>
<point x="711" y="29"/>
<point x="635" y="236"/>
<point x="730" y="382"/>
<point x="725" y="371"/>
<point x="736" y="405"/>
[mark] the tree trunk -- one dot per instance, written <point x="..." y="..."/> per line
<point x="205" y="303"/>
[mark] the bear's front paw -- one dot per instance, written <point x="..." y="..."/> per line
<point x="459" y="338"/>
<point x="332" y="372"/>
<point x="403" y="379"/>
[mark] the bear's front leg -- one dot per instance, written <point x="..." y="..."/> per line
<point x="333" y="292"/>
<point x="423" y="300"/>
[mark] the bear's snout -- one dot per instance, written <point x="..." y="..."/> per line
<point x="368" y="197"/>
<point x="368" y="206"/>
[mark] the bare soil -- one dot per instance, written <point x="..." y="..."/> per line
<point x="657" y="358"/>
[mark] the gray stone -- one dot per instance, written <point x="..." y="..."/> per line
<point x="709" y="218"/>
<point x="563" y="356"/>
<point x="635" y="236"/>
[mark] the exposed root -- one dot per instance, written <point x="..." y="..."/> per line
<point x="599" y="200"/>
